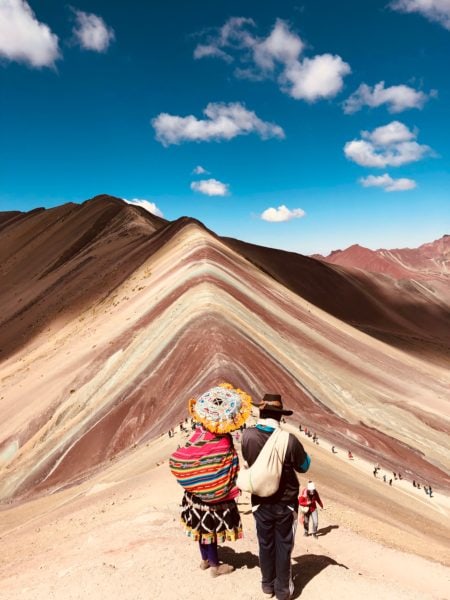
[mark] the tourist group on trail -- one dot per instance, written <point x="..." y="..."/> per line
<point x="208" y="469"/>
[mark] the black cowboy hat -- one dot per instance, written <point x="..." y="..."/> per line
<point x="272" y="403"/>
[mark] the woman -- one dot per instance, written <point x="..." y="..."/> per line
<point x="308" y="500"/>
<point x="207" y="468"/>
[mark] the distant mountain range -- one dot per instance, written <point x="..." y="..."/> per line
<point x="112" y="318"/>
<point x="429" y="261"/>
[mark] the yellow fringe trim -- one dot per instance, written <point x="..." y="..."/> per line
<point x="225" y="426"/>
<point x="228" y="535"/>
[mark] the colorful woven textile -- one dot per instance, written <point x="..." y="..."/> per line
<point x="211" y="523"/>
<point x="207" y="466"/>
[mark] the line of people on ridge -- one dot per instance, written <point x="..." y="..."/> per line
<point x="396" y="476"/>
<point x="207" y="469"/>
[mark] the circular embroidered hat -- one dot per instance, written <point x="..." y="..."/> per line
<point x="221" y="409"/>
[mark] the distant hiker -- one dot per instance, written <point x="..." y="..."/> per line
<point x="400" y="476"/>
<point x="395" y="475"/>
<point x="390" y="481"/>
<point x="375" y="472"/>
<point x="414" y="482"/>
<point x="207" y="468"/>
<point x="430" y="491"/>
<point x="308" y="500"/>
<point x="350" y="455"/>
<point x="333" y="449"/>
<point x="384" y="478"/>
<point x="276" y="515"/>
<point x="300" y="427"/>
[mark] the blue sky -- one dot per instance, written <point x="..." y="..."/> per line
<point x="339" y="113"/>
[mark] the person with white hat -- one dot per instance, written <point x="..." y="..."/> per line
<point x="308" y="500"/>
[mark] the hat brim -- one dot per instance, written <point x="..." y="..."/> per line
<point x="273" y="409"/>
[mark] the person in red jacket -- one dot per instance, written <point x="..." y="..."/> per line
<point x="308" y="500"/>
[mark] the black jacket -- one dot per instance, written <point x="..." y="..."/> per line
<point x="296" y="460"/>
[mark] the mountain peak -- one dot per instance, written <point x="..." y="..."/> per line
<point x="428" y="261"/>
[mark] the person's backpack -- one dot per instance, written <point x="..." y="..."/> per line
<point x="263" y="477"/>
<point x="206" y="468"/>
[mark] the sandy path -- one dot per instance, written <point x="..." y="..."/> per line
<point x="118" y="536"/>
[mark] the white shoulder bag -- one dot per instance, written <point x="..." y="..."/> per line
<point x="263" y="477"/>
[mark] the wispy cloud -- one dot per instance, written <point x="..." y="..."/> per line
<point x="434" y="10"/>
<point x="23" y="38"/>
<point x="387" y="183"/>
<point x="199" y="170"/>
<point x="210" y="187"/>
<point x="211" y="51"/>
<point x="278" y="57"/>
<point x="281" y="214"/>
<point x="397" y="98"/>
<point x="91" y="32"/>
<point x="222" y="122"/>
<point x="391" y="145"/>
<point x="149" y="206"/>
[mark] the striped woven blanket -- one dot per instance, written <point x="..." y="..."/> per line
<point x="207" y="466"/>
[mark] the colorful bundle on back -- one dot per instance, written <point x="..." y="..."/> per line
<point x="207" y="466"/>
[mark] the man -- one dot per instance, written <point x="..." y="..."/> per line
<point x="276" y="515"/>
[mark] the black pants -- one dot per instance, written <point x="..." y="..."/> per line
<point x="275" y="526"/>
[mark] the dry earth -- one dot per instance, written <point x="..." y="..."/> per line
<point x="117" y="535"/>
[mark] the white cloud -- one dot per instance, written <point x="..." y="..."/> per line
<point x="234" y="34"/>
<point x="210" y="187"/>
<point x="149" y="206"/>
<point x="199" y="170"/>
<point x="223" y="122"/>
<point x="277" y="56"/>
<point x="91" y="32"/>
<point x="316" y="78"/>
<point x="23" y="38"/>
<point x="388" y="183"/>
<point x="282" y="213"/>
<point x="433" y="10"/>
<point x="391" y="145"/>
<point x="392" y="133"/>
<point x="281" y="46"/>
<point x="397" y="97"/>
<point x="211" y="51"/>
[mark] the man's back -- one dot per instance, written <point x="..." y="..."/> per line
<point x="296" y="460"/>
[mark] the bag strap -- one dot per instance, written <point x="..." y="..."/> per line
<point x="278" y="440"/>
<point x="281" y="444"/>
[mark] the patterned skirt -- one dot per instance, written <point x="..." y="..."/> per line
<point x="209" y="523"/>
